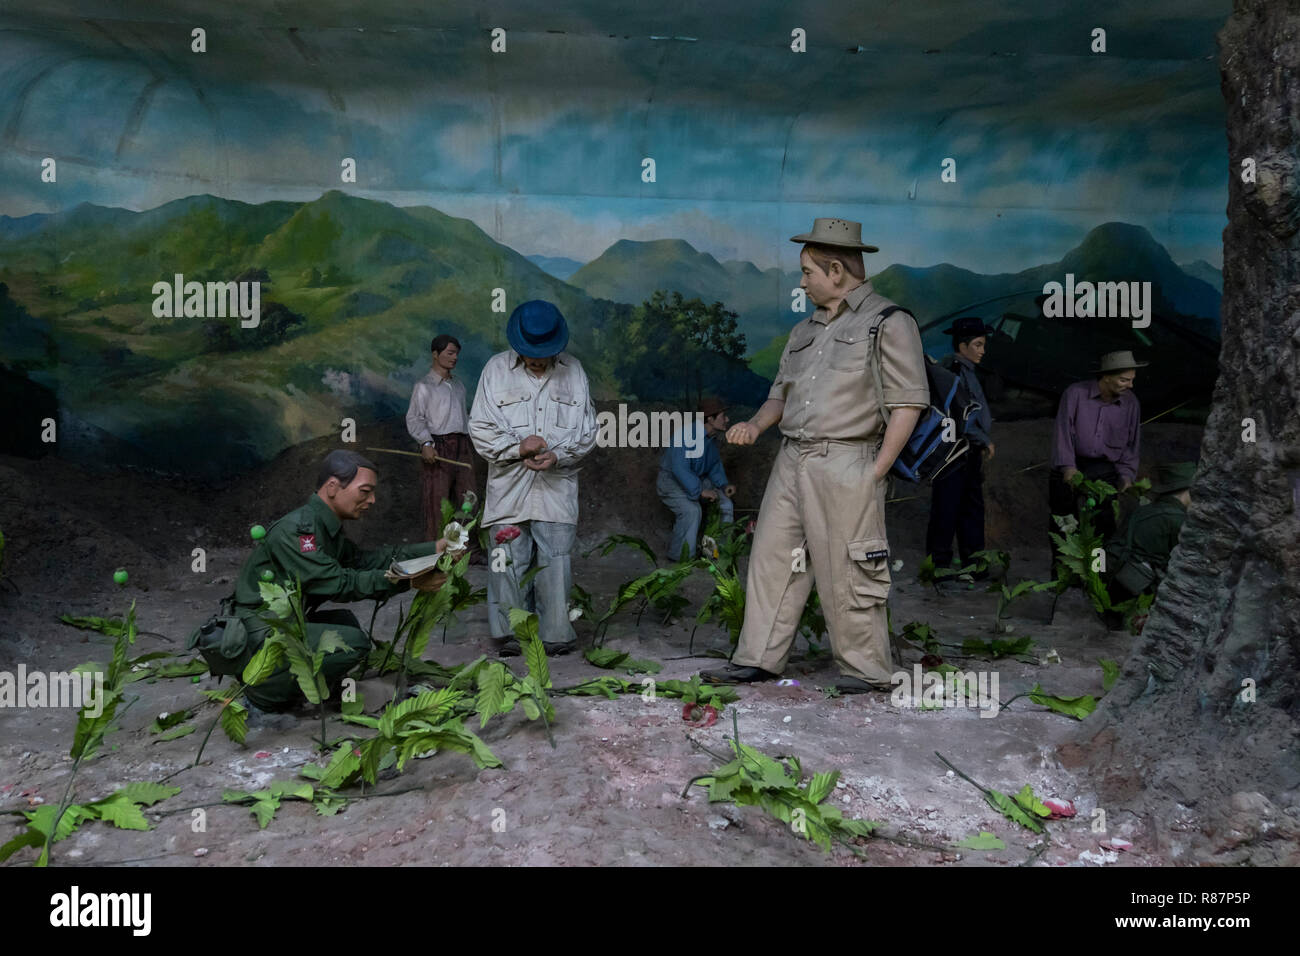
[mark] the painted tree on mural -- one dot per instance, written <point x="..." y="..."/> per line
<point x="676" y="349"/>
<point x="1206" y="716"/>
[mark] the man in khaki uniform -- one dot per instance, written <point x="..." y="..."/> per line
<point x="823" y="510"/>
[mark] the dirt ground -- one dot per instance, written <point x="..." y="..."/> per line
<point x="610" y="792"/>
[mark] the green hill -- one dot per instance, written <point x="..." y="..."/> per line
<point x="388" y="279"/>
<point x="631" y="271"/>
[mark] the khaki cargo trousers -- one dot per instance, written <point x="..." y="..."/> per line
<point x="821" y="500"/>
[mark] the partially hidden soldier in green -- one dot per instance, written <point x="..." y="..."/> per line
<point x="308" y="545"/>
<point x="1137" y="556"/>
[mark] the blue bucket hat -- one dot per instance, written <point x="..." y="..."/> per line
<point x="537" y="330"/>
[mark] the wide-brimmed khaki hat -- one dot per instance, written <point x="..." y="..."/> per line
<point x="836" y="232"/>
<point x="1118" y="362"/>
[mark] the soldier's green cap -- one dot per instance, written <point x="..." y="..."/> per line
<point x="1173" y="477"/>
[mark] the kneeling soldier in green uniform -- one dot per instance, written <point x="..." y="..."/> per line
<point x="1138" y="556"/>
<point x="308" y="545"/>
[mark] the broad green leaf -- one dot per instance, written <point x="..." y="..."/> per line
<point x="491" y="692"/>
<point x="1109" y="674"/>
<point x="147" y="792"/>
<point x="171" y="720"/>
<point x="862" y="828"/>
<point x="467" y="674"/>
<point x="301" y="666"/>
<point x="984" y="840"/>
<point x="234" y="721"/>
<point x="291" y="790"/>
<point x="361" y="720"/>
<point x="1029" y="801"/>
<point x="821" y="786"/>
<point x="122" y="813"/>
<point x="1076" y="707"/>
<point x="27" y="837"/>
<point x="42" y="819"/>
<point x="605" y="657"/>
<point x="1011" y="810"/>
<point x="267" y="660"/>
<point x="535" y="657"/>
<point x="330" y="642"/>
<point x="111" y="626"/>
<point x="276" y="598"/>
<point x="190" y="668"/>
<point x="722" y="787"/>
<point x="375" y="755"/>
<point x="432" y="706"/>
<point x="264" y="809"/>
<point x="482" y="754"/>
<point x="175" y="733"/>
<point x="531" y="710"/>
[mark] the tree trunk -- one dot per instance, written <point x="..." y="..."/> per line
<point x="1201" y="737"/>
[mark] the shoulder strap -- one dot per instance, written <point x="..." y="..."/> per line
<point x="873" y="332"/>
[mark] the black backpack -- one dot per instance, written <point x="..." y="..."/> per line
<point x="927" y="454"/>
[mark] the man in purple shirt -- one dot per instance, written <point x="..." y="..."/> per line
<point x="1096" y="435"/>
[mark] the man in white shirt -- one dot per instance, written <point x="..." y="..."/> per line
<point x="534" y="421"/>
<point x="436" y="420"/>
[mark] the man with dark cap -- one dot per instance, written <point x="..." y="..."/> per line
<point x="308" y="545"/>
<point x="690" y="471"/>
<point x="957" y="502"/>
<point x="534" y="421"/>
<point x="1137" y="557"/>
<point x="824" y="507"/>
<point x="1098" y="425"/>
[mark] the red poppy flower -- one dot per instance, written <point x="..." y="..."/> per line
<point x="508" y="533"/>
<point x="707" y="715"/>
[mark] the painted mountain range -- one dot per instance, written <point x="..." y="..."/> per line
<point x="353" y="290"/>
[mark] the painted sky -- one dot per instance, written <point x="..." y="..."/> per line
<point x="543" y="145"/>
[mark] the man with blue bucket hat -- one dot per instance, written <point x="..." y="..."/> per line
<point x="533" y="421"/>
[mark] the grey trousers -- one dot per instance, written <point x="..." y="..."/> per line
<point x="550" y="544"/>
<point x="687" y="512"/>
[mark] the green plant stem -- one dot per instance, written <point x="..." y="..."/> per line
<point x="341" y="796"/>
<point x="64" y="803"/>
<point x="239" y="689"/>
<point x="975" y="783"/>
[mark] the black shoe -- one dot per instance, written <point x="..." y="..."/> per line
<point x="856" y="685"/>
<point x="558" y="649"/>
<point x="504" y="646"/>
<point x="736" y="674"/>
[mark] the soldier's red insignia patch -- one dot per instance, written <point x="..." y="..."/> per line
<point x="306" y="542"/>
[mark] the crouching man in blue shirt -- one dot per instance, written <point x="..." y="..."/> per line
<point x="685" y="480"/>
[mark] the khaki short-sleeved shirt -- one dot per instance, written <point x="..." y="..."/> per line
<point x="825" y="376"/>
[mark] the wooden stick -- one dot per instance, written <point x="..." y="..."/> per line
<point x="416" y="454"/>
<point x="1147" y="422"/>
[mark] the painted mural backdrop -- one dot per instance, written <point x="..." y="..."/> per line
<point x="380" y="172"/>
